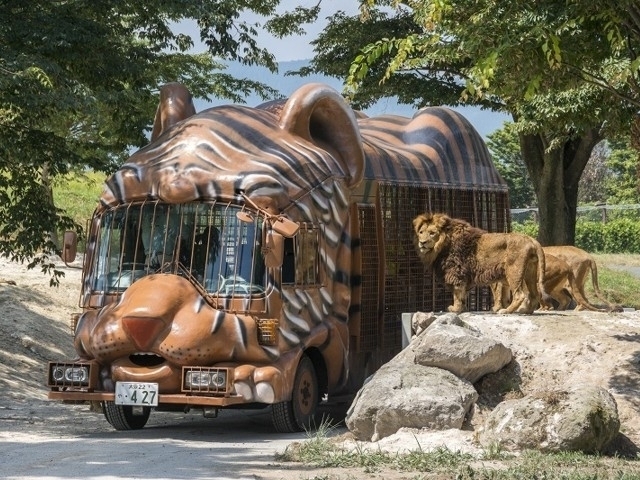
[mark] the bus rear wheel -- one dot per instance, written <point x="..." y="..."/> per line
<point x="125" y="417"/>
<point x="297" y="414"/>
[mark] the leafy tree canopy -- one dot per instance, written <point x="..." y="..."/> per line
<point x="567" y="72"/>
<point x="505" y="151"/>
<point x="78" y="85"/>
<point x="564" y="65"/>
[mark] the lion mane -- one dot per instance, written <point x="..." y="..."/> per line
<point x="467" y="256"/>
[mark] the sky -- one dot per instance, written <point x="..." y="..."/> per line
<point x="299" y="48"/>
<point x="289" y="48"/>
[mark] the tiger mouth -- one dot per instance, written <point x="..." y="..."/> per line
<point x="145" y="359"/>
<point x="147" y="367"/>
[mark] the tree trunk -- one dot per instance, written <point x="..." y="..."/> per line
<point x="555" y="174"/>
<point x="48" y="189"/>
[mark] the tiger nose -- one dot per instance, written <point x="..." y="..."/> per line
<point x="143" y="331"/>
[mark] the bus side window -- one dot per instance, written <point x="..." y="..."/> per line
<point x="289" y="262"/>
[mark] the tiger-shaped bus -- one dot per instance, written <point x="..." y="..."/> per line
<point x="263" y="257"/>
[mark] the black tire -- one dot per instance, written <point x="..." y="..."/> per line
<point x="297" y="414"/>
<point x="126" y="417"/>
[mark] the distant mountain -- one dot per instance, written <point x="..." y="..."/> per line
<point x="483" y="120"/>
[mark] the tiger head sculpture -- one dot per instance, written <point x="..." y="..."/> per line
<point x="223" y="151"/>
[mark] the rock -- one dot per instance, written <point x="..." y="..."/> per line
<point x="452" y="345"/>
<point x="580" y="419"/>
<point x="420" y="321"/>
<point x="428" y="384"/>
<point x="409" y="395"/>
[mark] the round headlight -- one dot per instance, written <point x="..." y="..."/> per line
<point x="77" y="374"/>
<point x="57" y="374"/>
<point x="218" y="379"/>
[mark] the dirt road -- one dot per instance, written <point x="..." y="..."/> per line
<point x="53" y="441"/>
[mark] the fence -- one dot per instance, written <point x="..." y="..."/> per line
<point x="599" y="228"/>
<point x="595" y="213"/>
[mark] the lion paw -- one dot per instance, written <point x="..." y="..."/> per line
<point x="258" y="384"/>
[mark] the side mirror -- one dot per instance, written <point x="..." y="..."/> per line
<point x="69" y="247"/>
<point x="273" y="249"/>
<point x="284" y="226"/>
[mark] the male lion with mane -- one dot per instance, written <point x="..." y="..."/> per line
<point x="468" y="257"/>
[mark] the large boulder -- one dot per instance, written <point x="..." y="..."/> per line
<point x="580" y="419"/>
<point x="429" y="383"/>
<point x="409" y="395"/>
<point x="452" y="345"/>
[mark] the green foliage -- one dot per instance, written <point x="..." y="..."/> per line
<point x="77" y="193"/>
<point x="622" y="183"/>
<point x="505" y="150"/>
<point x="590" y="236"/>
<point x="548" y="64"/>
<point x="621" y="235"/>
<point x="528" y="228"/>
<point x="346" y="38"/>
<point x="616" y="236"/>
<point x="78" y="88"/>
<point x="611" y="176"/>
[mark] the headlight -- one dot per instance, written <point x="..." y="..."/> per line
<point x="61" y="374"/>
<point x="205" y="379"/>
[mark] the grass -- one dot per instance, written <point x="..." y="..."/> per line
<point x="321" y="451"/>
<point x="78" y="193"/>
<point x="618" y="286"/>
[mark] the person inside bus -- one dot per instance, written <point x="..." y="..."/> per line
<point x="159" y="235"/>
<point x="206" y="249"/>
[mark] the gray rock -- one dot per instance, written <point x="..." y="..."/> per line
<point x="450" y="344"/>
<point x="409" y="395"/>
<point x="580" y="419"/>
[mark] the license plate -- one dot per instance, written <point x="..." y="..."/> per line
<point x="136" y="393"/>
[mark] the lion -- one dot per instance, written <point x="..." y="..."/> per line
<point x="581" y="264"/>
<point x="561" y="284"/>
<point x="468" y="257"/>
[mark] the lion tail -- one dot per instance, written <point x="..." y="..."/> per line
<point x="596" y="288"/>
<point x="580" y="299"/>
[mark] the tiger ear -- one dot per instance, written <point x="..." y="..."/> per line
<point x="175" y="105"/>
<point x="319" y="114"/>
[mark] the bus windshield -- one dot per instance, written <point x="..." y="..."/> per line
<point x="204" y="242"/>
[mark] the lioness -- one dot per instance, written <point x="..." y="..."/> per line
<point x="581" y="264"/>
<point x="468" y="256"/>
<point x="561" y="284"/>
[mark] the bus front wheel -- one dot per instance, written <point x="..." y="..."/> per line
<point x="297" y="414"/>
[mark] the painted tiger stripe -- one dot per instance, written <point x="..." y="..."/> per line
<point x="459" y="141"/>
<point x="437" y="146"/>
